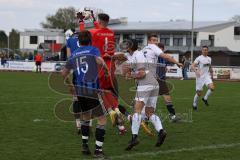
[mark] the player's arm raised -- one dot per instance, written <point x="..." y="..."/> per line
<point x="170" y="59"/>
<point x="119" y="56"/>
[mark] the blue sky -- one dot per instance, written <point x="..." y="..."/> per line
<point x="27" y="14"/>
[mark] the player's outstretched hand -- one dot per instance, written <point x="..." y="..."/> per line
<point x="180" y="65"/>
<point x="80" y="16"/>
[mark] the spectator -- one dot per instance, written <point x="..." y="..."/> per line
<point x="38" y="62"/>
<point x="185" y="68"/>
<point x="30" y="56"/>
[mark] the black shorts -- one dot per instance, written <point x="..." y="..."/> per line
<point x="90" y="107"/>
<point x="87" y="104"/>
<point x="38" y="63"/>
<point x="163" y="87"/>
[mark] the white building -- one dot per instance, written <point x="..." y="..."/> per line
<point x="177" y="34"/>
<point x="222" y="37"/>
<point x="30" y="39"/>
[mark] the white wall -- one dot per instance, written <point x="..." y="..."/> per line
<point x="25" y="41"/>
<point x="202" y="36"/>
<point x="223" y="38"/>
<point x="226" y="38"/>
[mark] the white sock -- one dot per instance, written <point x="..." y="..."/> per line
<point x="195" y="100"/>
<point x="156" y="122"/>
<point x="207" y="94"/>
<point x="78" y="123"/>
<point x="136" y="121"/>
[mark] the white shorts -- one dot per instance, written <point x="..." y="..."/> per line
<point x="200" y="82"/>
<point x="147" y="94"/>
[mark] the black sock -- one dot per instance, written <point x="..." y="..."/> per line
<point x="170" y="108"/>
<point x="134" y="136"/>
<point x="99" y="134"/>
<point x="85" y="131"/>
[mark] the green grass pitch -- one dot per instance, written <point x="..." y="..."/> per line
<point x="30" y="130"/>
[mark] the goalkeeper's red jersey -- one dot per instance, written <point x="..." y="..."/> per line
<point x="103" y="39"/>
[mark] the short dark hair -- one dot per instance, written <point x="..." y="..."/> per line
<point x="103" y="17"/>
<point x="133" y="44"/>
<point x="204" y="47"/>
<point x="161" y="45"/>
<point x="84" y="38"/>
<point x="152" y="35"/>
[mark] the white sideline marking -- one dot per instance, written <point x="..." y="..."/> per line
<point x="198" y="148"/>
<point x="39" y="120"/>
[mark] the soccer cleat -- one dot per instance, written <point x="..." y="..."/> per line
<point x="134" y="141"/>
<point x="195" y="108"/>
<point x="113" y="116"/>
<point x="205" y="102"/>
<point x="146" y="129"/>
<point x="174" y="118"/>
<point x="85" y="149"/>
<point x="161" y="137"/>
<point x="99" y="155"/>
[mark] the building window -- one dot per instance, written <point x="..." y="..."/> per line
<point x="236" y="31"/>
<point x="140" y="39"/>
<point x="177" y="40"/>
<point x="165" y="39"/>
<point x="211" y="39"/>
<point x="33" y="39"/>
<point x="127" y="36"/>
<point x="189" y="40"/>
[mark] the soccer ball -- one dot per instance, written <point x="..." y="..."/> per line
<point x="87" y="15"/>
<point x="84" y="15"/>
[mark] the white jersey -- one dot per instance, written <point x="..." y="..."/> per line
<point x="138" y="61"/>
<point x="204" y="63"/>
<point x="147" y="87"/>
<point x="152" y="52"/>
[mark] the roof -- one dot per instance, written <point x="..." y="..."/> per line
<point x="166" y="26"/>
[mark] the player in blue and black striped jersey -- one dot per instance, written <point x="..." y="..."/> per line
<point x="163" y="87"/>
<point x="85" y="62"/>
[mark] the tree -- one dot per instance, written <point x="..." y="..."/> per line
<point x="236" y="18"/>
<point x="64" y="18"/>
<point x="3" y="39"/>
<point x="14" y="39"/>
